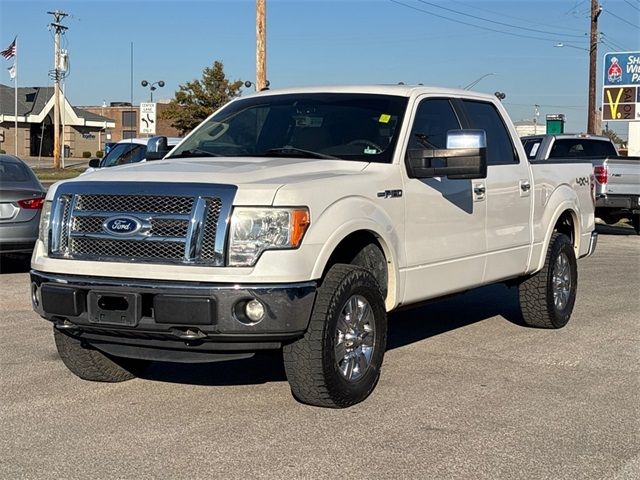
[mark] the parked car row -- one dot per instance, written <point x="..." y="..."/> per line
<point x="124" y="152"/>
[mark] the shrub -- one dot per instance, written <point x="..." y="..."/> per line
<point x="2" y="151"/>
<point x="99" y="154"/>
<point x="86" y="154"/>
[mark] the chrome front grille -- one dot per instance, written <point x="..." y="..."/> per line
<point x="137" y="203"/>
<point x="188" y="226"/>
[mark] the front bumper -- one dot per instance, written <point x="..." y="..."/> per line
<point x="175" y="321"/>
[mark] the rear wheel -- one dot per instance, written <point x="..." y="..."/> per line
<point x="90" y="364"/>
<point x="547" y="298"/>
<point x="337" y="362"/>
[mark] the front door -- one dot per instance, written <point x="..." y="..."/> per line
<point x="444" y="218"/>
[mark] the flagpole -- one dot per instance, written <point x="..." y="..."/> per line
<point x="15" y="95"/>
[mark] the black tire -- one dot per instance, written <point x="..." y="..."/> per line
<point x="372" y="258"/>
<point x="635" y="221"/>
<point x="91" y="364"/>
<point x="537" y="299"/>
<point x="311" y="363"/>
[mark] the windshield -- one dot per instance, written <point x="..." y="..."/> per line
<point x="123" y="153"/>
<point x="346" y="126"/>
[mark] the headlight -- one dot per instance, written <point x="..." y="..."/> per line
<point x="43" y="231"/>
<point x="254" y="230"/>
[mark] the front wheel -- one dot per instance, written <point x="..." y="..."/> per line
<point x="337" y="362"/>
<point x="547" y="298"/>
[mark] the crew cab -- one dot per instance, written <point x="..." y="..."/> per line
<point x="617" y="178"/>
<point x="296" y="220"/>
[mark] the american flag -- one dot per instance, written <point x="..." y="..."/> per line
<point x="10" y="50"/>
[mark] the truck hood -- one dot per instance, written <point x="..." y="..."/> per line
<point x="258" y="178"/>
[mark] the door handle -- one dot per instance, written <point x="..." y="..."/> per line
<point x="525" y="186"/>
<point x="479" y="190"/>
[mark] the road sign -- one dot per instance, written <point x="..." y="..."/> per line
<point x="621" y="87"/>
<point x="148" y="118"/>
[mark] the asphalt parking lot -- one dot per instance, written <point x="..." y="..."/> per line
<point x="466" y="392"/>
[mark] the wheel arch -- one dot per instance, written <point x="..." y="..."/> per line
<point x="346" y="242"/>
<point x="564" y="220"/>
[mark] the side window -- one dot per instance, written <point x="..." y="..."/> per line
<point x="531" y="148"/>
<point x="434" y="118"/>
<point x="484" y="116"/>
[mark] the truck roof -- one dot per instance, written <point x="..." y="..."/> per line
<point x="568" y="136"/>
<point x="397" y="89"/>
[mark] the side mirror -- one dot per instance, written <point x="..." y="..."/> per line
<point x="464" y="158"/>
<point x="157" y="148"/>
<point x="94" y="163"/>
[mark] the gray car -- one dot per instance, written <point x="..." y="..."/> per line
<point x="21" y="199"/>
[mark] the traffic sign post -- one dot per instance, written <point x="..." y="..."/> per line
<point x="148" y="118"/>
<point x="621" y="87"/>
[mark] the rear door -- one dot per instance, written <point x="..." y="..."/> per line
<point x="508" y="194"/>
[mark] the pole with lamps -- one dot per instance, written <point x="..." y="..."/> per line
<point x="152" y="86"/>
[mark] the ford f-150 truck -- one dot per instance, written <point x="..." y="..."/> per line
<point x="296" y="220"/>
<point x="617" y="178"/>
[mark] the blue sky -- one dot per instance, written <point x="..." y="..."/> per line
<point x="319" y="42"/>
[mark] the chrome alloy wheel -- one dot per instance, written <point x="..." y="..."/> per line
<point x="561" y="281"/>
<point x="355" y="338"/>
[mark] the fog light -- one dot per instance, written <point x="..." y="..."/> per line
<point x="254" y="310"/>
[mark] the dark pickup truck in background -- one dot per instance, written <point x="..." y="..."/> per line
<point x="617" y="178"/>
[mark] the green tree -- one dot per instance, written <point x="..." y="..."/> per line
<point x="198" y="99"/>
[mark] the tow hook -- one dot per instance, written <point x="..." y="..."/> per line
<point x="65" y="325"/>
<point x="188" y="335"/>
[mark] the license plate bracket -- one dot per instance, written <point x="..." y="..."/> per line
<point x="114" y="308"/>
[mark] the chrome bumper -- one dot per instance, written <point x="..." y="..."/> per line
<point x="175" y="315"/>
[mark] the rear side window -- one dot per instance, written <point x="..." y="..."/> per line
<point x="13" y="172"/>
<point x="531" y="148"/>
<point x="581" y="147"/>
<point x="484" y="116"/>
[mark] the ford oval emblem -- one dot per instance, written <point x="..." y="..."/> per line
<point x="122" y="225"/>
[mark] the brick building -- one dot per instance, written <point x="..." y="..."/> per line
<point x="127" y="119"/>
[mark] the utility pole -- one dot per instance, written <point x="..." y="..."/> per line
<point x="261" y="45"/>
<point x="596" y="10"/>
<point x="57" y="74"/>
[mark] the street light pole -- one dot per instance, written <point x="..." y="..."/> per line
<point x="152" y="86"/>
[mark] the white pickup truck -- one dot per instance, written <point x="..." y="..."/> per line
<point x="297" y="219"/>
<point x="617" y="178"/>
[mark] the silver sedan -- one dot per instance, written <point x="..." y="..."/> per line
<point x="21" y="200"/>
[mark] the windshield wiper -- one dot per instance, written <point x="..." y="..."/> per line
<point x="194" y="152"/>
<point x="288" y="150"/>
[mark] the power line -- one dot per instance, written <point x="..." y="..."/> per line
<point x="528" y="20"/>
<point x="631" y="5"/>
<point x="472" y="24"/>
<point x="457" y="12"/>
<point x="621" y="19"/>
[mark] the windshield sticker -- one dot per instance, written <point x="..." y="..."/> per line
<point x="370" y="151"/>
<point x="384" y="118"/>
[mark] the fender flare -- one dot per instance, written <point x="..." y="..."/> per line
<point x="374" y="220"/>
